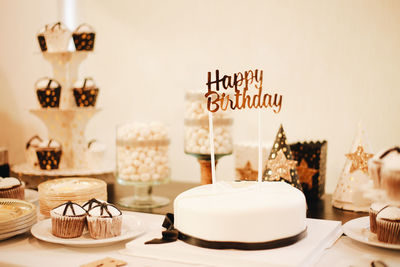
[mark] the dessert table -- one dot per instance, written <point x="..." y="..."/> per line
<point x="26" y="250"/>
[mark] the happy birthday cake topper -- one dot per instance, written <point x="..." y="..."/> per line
<point x="248" y="92"/>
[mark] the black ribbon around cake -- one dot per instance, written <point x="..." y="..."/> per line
<point x="171" y="235"/>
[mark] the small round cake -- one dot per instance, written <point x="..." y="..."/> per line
<point x="388" y="225"/>
<point x="68" y="220"/>
<point x="241" y="215"/>
<point x="104" y="221"/>
<point x="373" y="211"/>
<point x="11" y="187"/>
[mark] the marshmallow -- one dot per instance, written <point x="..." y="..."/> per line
<point x="197" y="139"/>
<point x="142" y="152"/>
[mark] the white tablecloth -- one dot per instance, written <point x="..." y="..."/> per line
<point x="25" y="250"/>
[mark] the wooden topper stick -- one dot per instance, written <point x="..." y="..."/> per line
<point x="211" y="130"/>
<point x="259" y="148"/>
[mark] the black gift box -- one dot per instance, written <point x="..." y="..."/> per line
<point x="311" y="166"/>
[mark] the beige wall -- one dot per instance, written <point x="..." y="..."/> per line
<point x="335" y="62"/>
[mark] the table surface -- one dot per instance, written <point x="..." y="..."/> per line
<point x="345" y="252"/>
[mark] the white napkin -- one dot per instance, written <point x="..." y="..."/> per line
<point x="321" y="234"/>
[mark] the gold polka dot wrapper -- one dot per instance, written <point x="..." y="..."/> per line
<point x="280" y="164"/>
<point x="311" y="166"/>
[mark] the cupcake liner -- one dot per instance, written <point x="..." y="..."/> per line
<point x="48" y="97"/>
<point x="100" y="228"/>
<point x="15" y="192"/>
<point x="84" y="41"/>
<point x="49" y="158"/>
<point x="372" y="220"/>
<point x="57" y="39"/>
<point x="85" y="97"/>
<point x="67" y="226"/>
<point x="42" y="42"/>
<point x="388" y="231"/>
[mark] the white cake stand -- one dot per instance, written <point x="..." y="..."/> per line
<point x="33" y="176"/>
<point x="65" y="124"/>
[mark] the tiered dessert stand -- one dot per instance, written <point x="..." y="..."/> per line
<point x="65" y="124"/>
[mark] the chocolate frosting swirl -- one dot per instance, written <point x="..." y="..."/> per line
<point x="104" y="210"/>
<point x="387" y="152"/>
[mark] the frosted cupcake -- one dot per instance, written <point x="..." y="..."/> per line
<point x="48" y="92"/>
<point x="390" y="176"/>
<point x="104" y="221"/>
<point x="388" y="225"/>
<point x="68" y="220"/>
<point x="376" y="162"/>
<point x="56" y="37"/>
<point x="373" y="211"/>
<point x="11" y="187"/>
<point x="84" y="37"/>
<point x="91" y="203"/>
<point x="85" y="93"/>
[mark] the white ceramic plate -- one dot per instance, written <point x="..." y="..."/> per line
<point x="31" y="195"/>
<point x="5" y="228"/>
<point x="358" y="229"/>
<point x="131" y="227"/>
<point x="16" y="232"/>
<point x="15" y="210"/>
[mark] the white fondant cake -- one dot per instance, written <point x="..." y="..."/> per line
<point x="241" y="211"/>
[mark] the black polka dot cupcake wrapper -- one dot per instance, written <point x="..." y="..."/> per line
<point x="86" y="97"/>
<point x="49" y="97"/>
<point x="42" y="43"/>
<point x="49" y="159"/>
<point x="84" y="41"/>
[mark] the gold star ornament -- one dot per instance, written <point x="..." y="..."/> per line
<point x="247" y="173"/>
<point x="305" y="173"/>
<point x="280" y="167"/>
<point x="359" y="160"/>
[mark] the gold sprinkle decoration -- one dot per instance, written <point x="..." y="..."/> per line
<point x="247" y="173"/>
<point x="359" y="160"/>
<point x="280" y="167"/>
<point x="305" y="173"/>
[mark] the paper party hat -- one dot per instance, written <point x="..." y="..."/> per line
<point x="280" y="164"/>
<point x="354" y="178"/>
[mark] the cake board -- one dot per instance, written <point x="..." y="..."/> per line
<point x="321" y="234"/>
